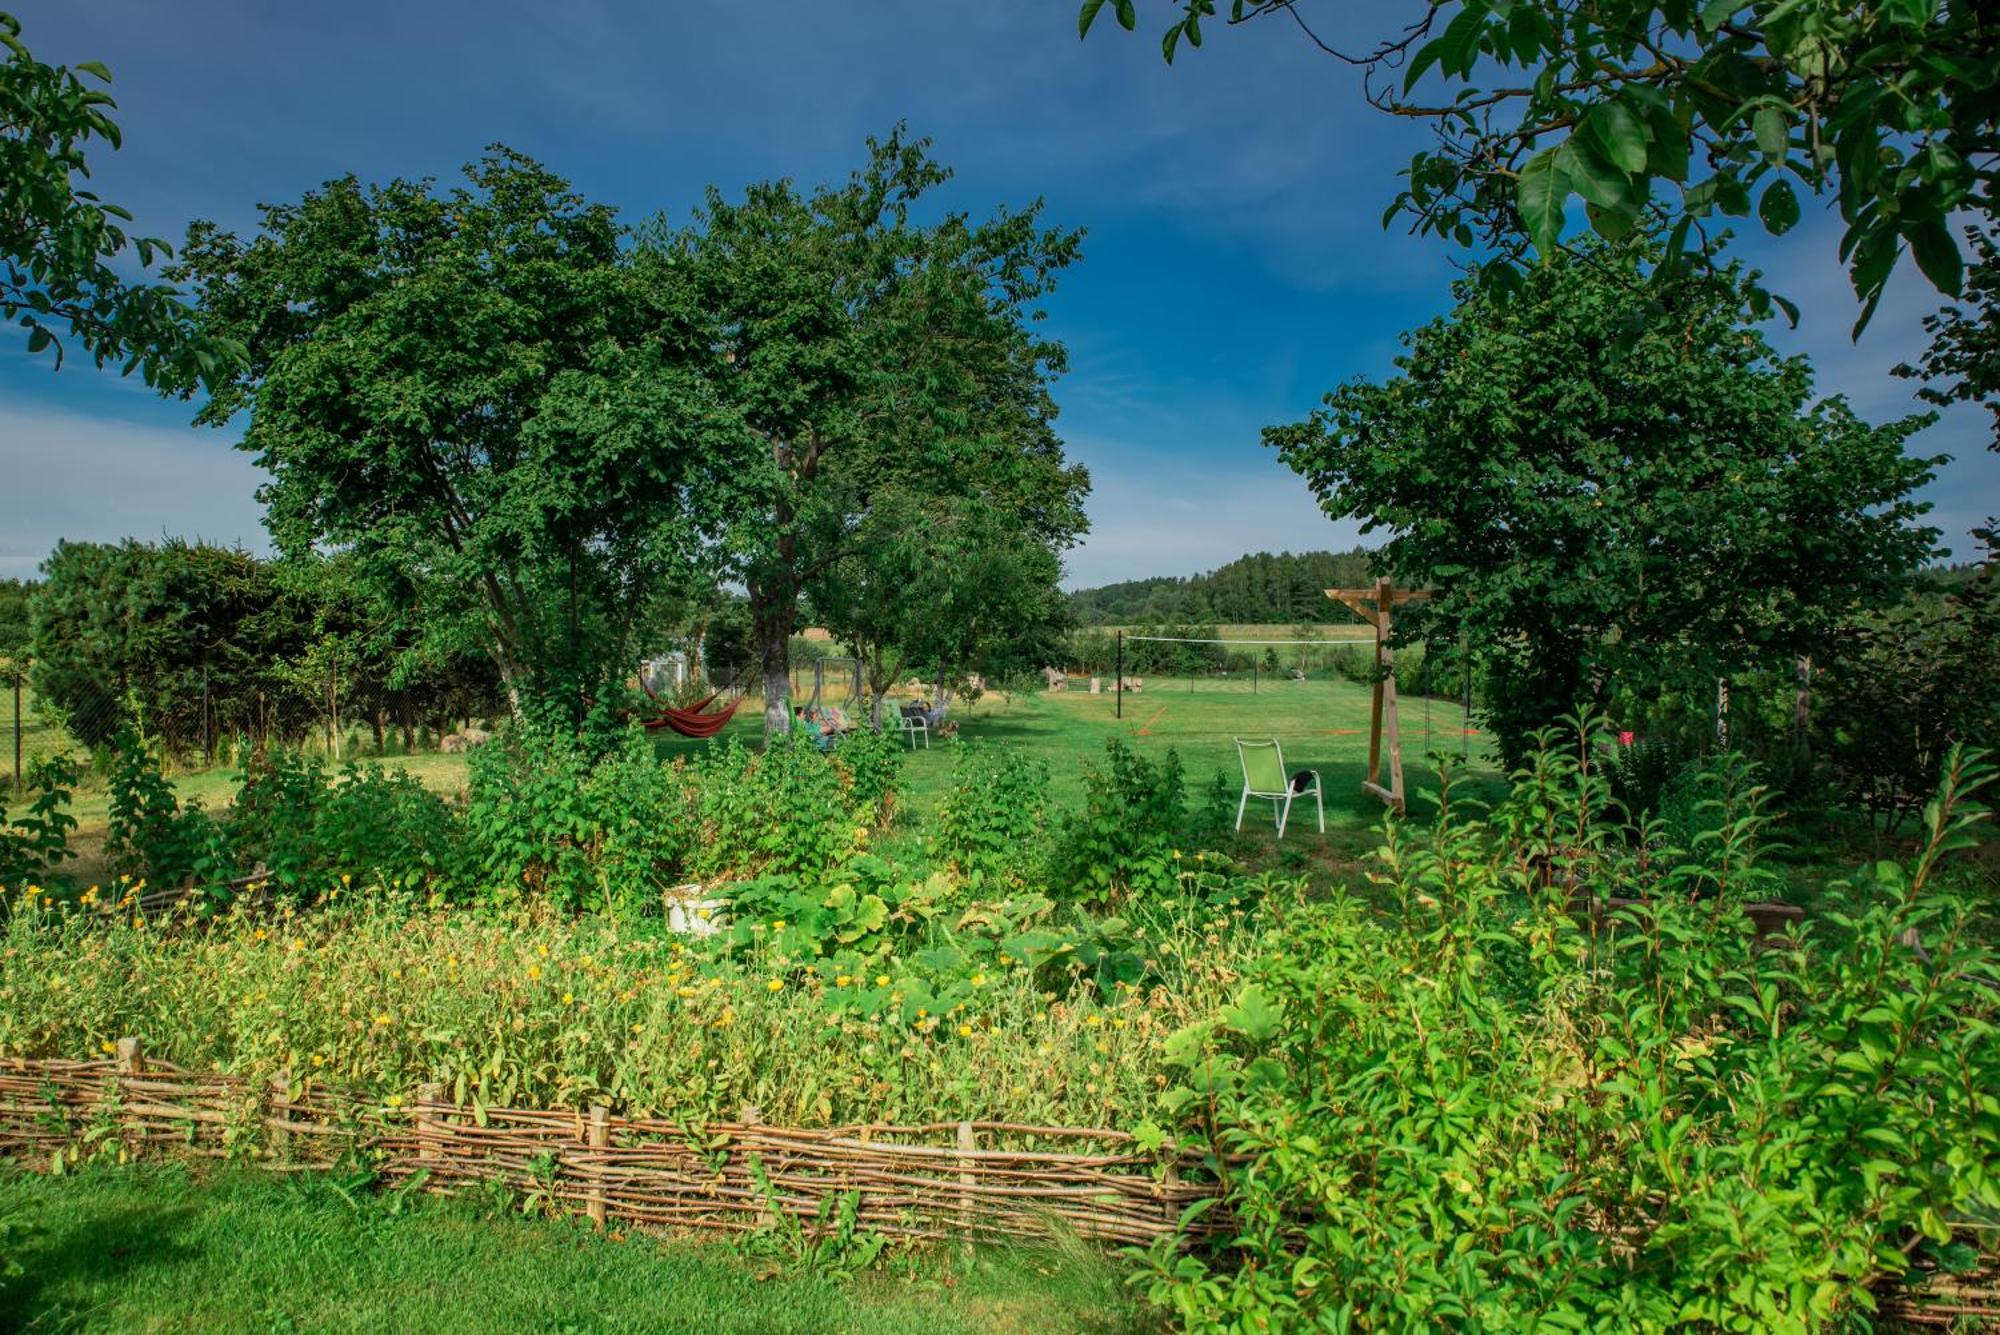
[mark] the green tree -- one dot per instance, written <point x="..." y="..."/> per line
<point x="58" y="239"/>
<point x="467" y="392"/>
<point x="15" y="595"/>
<point x="1593" y="514"/>
<point x="1679" y="112"/>
<point x="847" y="350"/>
<point x="947" y="588"/>
<point x="1903" y="685"/>
<point x="165" y="639"/>
<point x="1962" y="364"/>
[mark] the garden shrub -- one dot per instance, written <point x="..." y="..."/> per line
<point x="1125" y="841"/>
<point x="383" y="827"/>
<point x="546" y="817"/>
<point x="992" y="824"/>
<point x="1485" y="1113"/>
<point x="151" y="833"/>
<point x="34" y="841"/>
<point x="787" y="809"/>
<point x="873" y="760"/>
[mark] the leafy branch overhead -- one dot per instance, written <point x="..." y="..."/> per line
<point x="58" y="240"/>
<point x="1677" y="114"/>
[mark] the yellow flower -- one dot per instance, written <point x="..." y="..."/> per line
<point x="346" y="879"/>
<point x="534" y="971"/>
<point x="395" y="1100"/>
<point x="385" y="1018"/>
<point x="979" y="980"/>
<point x="318" y="1060"/>
<point x="569" y="998"/>
<point x="684" y="992"/>
<point x="1093" y="1020"/>
<point x="1119" y="1023"/>
<point x="543" y="951"/>
<point x="778" y="925"/>
<point x="775" y="985"/>
<point x="638" y="1028"/>
<point x="842" y="981"/>
<point x="881" y="980"/>
<point x="109" y="1046"/>
<point x="965" y="1031"/>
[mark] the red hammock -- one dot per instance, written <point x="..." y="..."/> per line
<point x="691" y="722"/>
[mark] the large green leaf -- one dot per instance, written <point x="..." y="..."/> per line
<point x="1772" y="130"/>
<point x="1936" y="253"/>
<point x="1621" y="136"/>
<point x="1539" y="194"/>
<point x="1593" y="177"/>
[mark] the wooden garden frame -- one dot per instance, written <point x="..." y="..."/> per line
<point x="1377" y="606"/>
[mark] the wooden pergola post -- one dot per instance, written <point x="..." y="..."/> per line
<point x="1377" y="607"/>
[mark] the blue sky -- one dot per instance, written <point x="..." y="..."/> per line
<point x="1234" y="270"/>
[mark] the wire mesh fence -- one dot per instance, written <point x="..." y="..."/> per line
<point x="205" y="717"/>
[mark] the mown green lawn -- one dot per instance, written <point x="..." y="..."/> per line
<point x="155" y="1248"/>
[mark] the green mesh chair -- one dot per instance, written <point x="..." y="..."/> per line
<point x="1264" y="777"/>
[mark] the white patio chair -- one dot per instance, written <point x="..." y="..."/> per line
<point x="1264" y="777"/>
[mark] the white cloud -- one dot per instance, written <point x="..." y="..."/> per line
<point x="65" y="474"/>
<point x="1153" y="514"/>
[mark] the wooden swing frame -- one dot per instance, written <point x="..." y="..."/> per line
<point x="1377" y="607"/>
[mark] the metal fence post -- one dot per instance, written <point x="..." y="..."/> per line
<point x="20" y="780"/>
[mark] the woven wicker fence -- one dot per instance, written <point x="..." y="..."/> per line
<point x="948" y="1180"/>
<point x="945" y="1180"/>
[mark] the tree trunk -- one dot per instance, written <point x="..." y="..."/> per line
<point x="772" y="612"/>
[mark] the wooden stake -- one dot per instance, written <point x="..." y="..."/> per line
<point x="428" y="1148"/>
<point x="965" y="1180"/>
<point x="131" y="1061"/>
<point x="600" y="1138"/>
<point x="281" y="1113"/>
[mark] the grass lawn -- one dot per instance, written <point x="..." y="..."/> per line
<point x="156" y="1248"/>
<point x="1322" y="724"/>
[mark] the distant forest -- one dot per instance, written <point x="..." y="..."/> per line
<point x="1260" y="589"/>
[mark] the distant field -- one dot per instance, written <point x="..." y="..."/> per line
<point x="1251" y="630"/>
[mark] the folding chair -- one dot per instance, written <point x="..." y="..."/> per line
<point x="1264" y="777"/>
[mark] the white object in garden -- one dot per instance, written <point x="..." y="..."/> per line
<point x="690" y="913"/>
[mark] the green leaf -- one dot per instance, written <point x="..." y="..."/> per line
<point x="95" y="67"/>
<point x="1936" y="253"/>
<point x="1620" y="135"/>
<point x="1087" y="16"/>
<point x="1667" y="155"/>
<point x="1772" y="130"/>
<point x="1539" y="193"/>
<point x="1716" y="12"/>
<point x="1128" y="17"/>
<point x="1455" y="49"/>
<point x="1594" y="178"/>
<point x="1779" y="208"/>
<point x="1254" y="1015"/>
